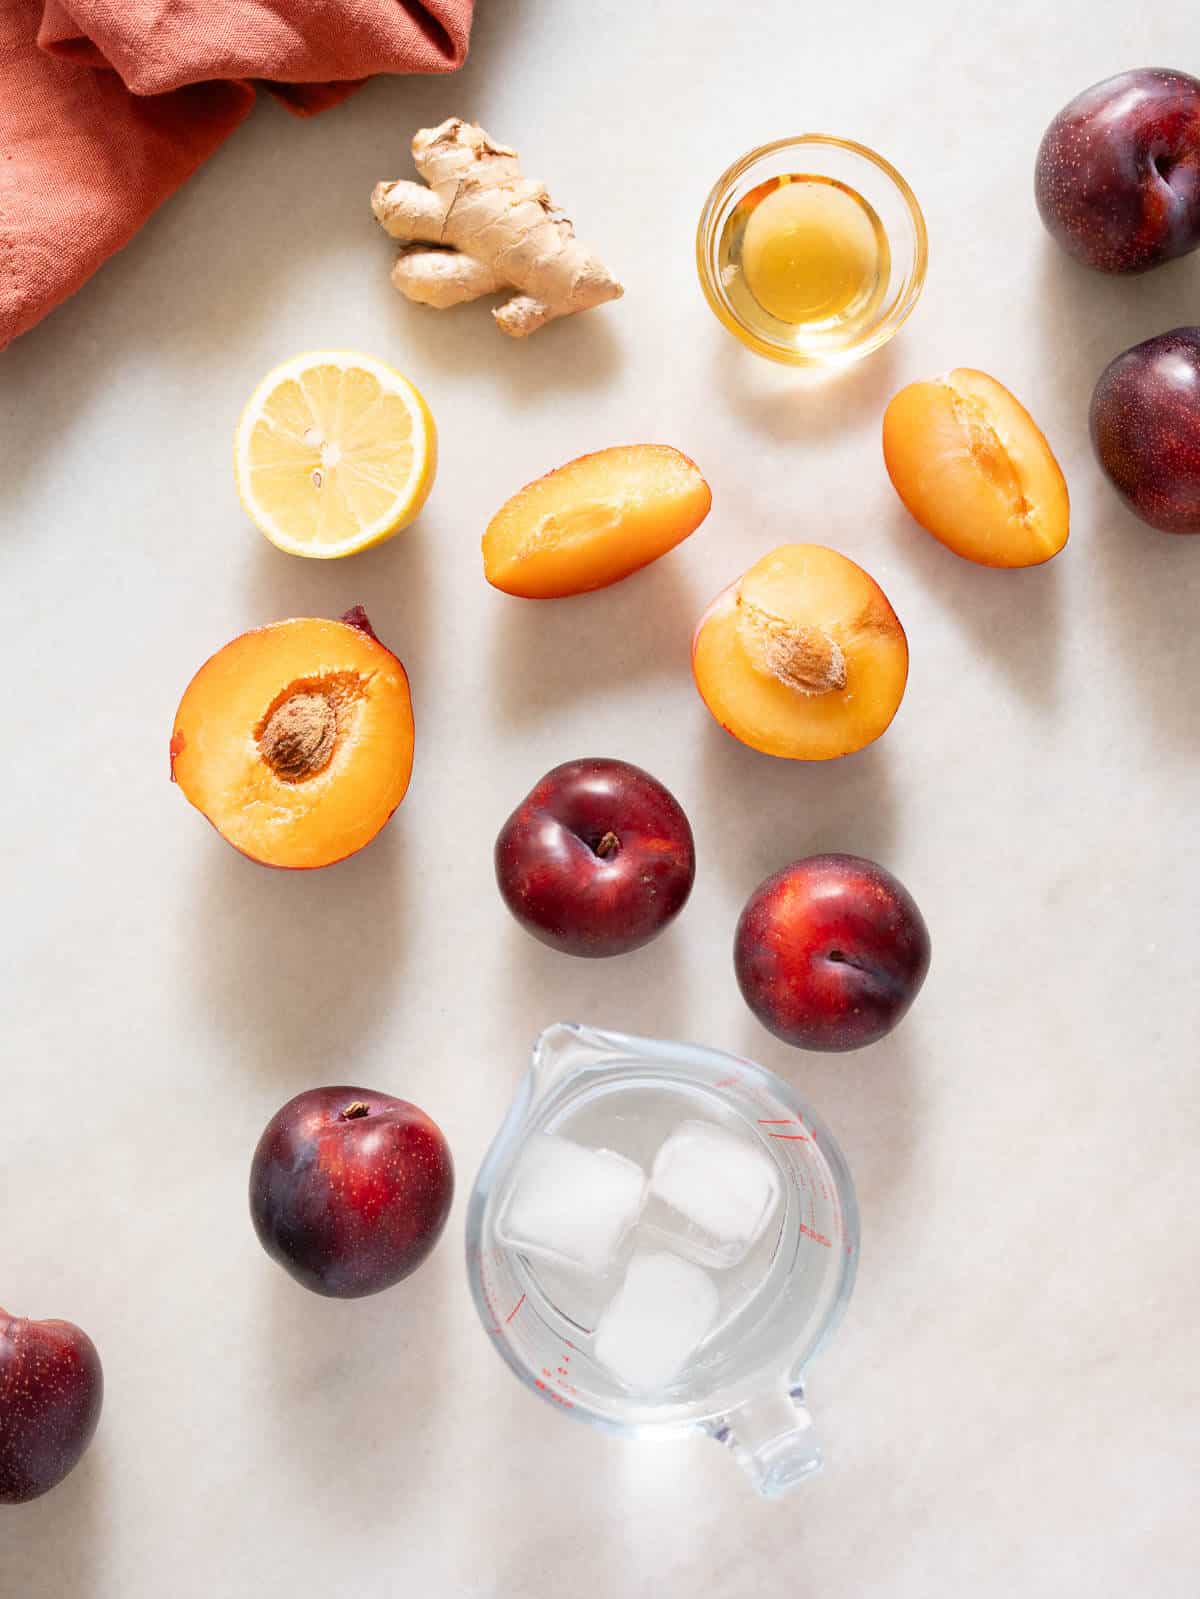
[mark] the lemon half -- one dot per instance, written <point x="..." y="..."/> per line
<point x="334" y="452"/>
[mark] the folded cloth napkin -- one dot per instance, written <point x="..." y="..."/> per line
<point x="106" y="106"/>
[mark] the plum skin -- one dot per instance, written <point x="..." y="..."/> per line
<point x="1117" y="179"/>
<point x="1145" y="427"/>
<point x="350" y="1190"/>
<point x="830" y="952"/>
<point x="51" y="1394"/>
<point x="596" y="859"/>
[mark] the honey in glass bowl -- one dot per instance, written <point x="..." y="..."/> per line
<point x="805" y="252"/>
<point x="811" y="250"/>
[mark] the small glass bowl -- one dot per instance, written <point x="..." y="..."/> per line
<point x="820" y="155"/>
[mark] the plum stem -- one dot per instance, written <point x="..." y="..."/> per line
<point x="608" y="845"/>
<point x="357" y="617"/>
<point x="354" y="1110"/>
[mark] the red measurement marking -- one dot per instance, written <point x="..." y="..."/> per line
<point x="800" y="1137"/>
<point x="819" y="1238"/>
<point x="567" y="1404"/>
<point x="778" y="1121"/>
<point x="487" y="1298"/>
<point x="514" y="1310"/>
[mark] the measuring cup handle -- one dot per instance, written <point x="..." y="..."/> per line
<point x="773" y="1439"/>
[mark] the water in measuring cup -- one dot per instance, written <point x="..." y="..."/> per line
<point x="701" y="1246"/>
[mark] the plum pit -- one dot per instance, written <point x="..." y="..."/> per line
<point x="299" y="737"/>
<point x="806" y="659"/>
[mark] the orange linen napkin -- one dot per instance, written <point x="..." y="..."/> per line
<point x="106" y="106"/>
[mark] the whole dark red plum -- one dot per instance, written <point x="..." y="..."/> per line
<point x="51" y="1391"/>
<point x="350" y="1189"/>
<point x="596" y="859"/>
<point x="1145" y="424"/>
<point x="1118" y="171"/>
<point x="830" y="952"/>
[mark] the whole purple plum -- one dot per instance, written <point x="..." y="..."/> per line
<point x="1118" y="172"/>
<point x="1145" y="423"/>
<point x="51" y="1391"/>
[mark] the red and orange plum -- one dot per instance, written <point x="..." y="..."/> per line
<point x="350" y="1190"/>
<point x="830" y="952"/>
<point x="596" y="859"/>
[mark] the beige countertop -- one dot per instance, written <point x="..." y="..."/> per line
<point x="1012" y="1406"/>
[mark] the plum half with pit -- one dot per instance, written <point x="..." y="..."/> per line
<point x="830" y="952"/>
<point x="596" y="859"/>
<point x="51" y="1391"/>
<point x="1117" y="179"/>
<point x="802" y="657"/>
<point x="1145" y="424"/>
<point x="350" y="1189"/>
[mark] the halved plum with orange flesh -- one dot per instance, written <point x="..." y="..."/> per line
<point x="594" y="521"/>
<point x="296" y="740"/>
<point x="803" y="656"/>
<point x="973" y="468"/>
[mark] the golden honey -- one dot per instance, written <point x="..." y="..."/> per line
<point x="803" y="255"/>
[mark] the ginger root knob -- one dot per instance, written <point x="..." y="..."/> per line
<point x="298" y="740"/>
<point x="477" y="226"/>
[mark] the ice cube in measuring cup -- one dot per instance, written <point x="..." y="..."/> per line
<point x="571" y="1204"/>
<point x="712" y="1194"/>
<point x="658" y="1316"/>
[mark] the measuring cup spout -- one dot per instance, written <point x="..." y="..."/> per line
<point x="563" y="1049"/>
<point x="772" y="1438"/>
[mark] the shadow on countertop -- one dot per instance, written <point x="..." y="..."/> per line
<point x="566" y="653"/>
<point x="1013" y="616"/>
<point x="1146" y="584"/>
<point x="351" y="1391"/>
<point x="802" y="405"/>
<point x="294" y="974"/>
<point x="798" y="808"/>
<point x="56" y="1544"/>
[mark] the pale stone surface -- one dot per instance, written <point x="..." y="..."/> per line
<point x="1012" y="1406"/>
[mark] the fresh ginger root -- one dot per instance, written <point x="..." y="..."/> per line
<point x="480" y="227"/>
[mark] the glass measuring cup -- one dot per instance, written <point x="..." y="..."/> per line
<point x="743" y="1385"/>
